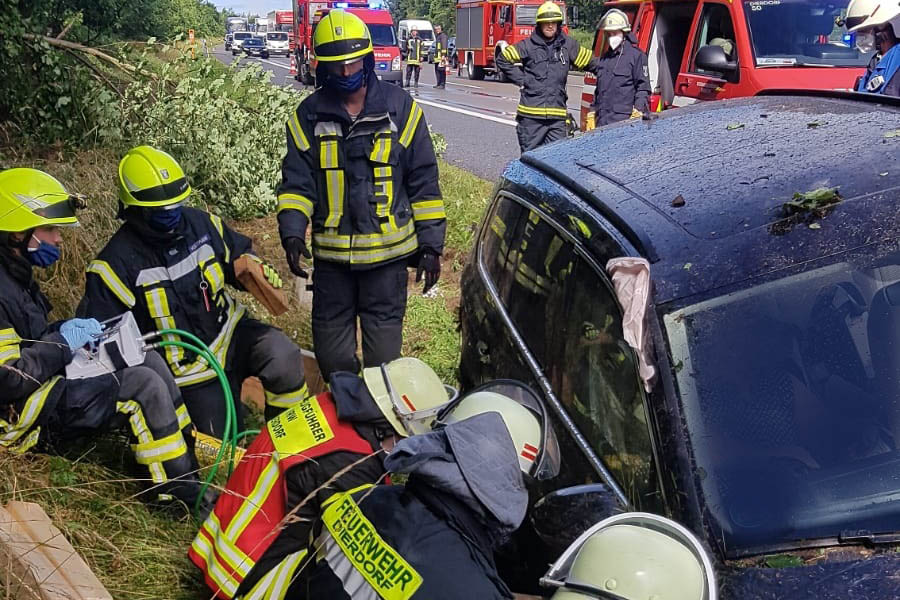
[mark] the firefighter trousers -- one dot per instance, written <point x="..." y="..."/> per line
<point x="376" y="296"/>
<point x="147" y="402"/>
<point x="412" y="72"/>
<point x="537" y="132"/>
<point x="440" y="73"/>
<point x="256" y="350"/>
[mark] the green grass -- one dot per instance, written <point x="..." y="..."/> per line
<point x="585" y="37"/>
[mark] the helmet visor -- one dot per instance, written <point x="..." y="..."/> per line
<point x="404" y="409"/>
<point x="60" y="207"/>
<point x="546" y="464"/>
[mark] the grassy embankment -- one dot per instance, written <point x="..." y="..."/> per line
<point x="136" y="553"/>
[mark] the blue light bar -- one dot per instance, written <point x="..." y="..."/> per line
<point x="341" y="4"/>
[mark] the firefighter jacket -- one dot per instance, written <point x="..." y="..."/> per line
<point x="172" y="280"/>
<point x="623" y="84"/>
<point x="369" y="186"/>
<point x="415" y="51"/>
<point x="244" y="548"/>
<point x="31" y="382"/>
<point x="441" y="47"/>
<point x="540" y="67"/>
<point x="881" y="74"/>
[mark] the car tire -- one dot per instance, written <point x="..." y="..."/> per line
<point x="472" y="72"/>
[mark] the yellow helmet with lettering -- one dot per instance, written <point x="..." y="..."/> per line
<point x="549" y="12"/>
<point x="408" y="393"/>
<point x="615" y="20"/>
<point x="151" y="178"/>
<point x="30" y="198"/>
<point x="341" y="37"/>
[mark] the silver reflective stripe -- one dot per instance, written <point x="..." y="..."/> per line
<point x="151" y="276"/>
<point x="178" y="270"/>
<point x="354" y="583"/>
<point x="326" y="128"/>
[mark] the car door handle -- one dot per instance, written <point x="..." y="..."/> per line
<point x="683" y="86"/>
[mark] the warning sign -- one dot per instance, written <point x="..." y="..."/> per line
<point x="385" y="570"/>
<point x="301" y="427"/>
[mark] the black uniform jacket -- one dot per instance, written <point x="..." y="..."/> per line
<point x="623" y="83"/>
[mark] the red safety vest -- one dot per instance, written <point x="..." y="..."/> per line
<point x="247" y="517"/>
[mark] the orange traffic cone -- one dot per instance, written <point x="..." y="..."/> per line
<point x="293" y="64"/>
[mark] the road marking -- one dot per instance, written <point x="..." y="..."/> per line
<point x="470" y="113"/>
<point x="463" y="85"/>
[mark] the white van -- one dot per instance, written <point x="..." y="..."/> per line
<point x="426" y="33"/>
<point x="277" y="42"/>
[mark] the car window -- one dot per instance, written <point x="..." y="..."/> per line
<point x="594" y="371"/>
<point x="242" y="36"/>
<point x="277" y="36"/>
<point x="494" y="248"/>
<point x="714" y="28"/>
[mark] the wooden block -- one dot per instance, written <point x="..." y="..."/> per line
<point x="38" y="561"/>
<point x="253" y="394"/>
<point x="250" y="274"/>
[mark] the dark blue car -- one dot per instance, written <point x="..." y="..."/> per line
<point x="255" y="46"/>
<point x="765" y="300"/>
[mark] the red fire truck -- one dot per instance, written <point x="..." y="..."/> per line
<point x="308" y="13"/>
<point x="282" y="20"/>
<point x="485" y="27"/>
<point x="719" y="49"/>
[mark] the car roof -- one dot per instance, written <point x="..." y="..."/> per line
<point x="734" y="163"/>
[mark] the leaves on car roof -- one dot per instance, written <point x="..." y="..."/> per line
<point x="806" y="207"/>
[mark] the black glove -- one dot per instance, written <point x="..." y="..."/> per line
<point x="430" y="264"/>
<point x="293" y="248"/>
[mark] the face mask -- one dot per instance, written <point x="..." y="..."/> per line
<point x="865" y="42"/>
<point x="163" y="220"/>
<point x="615" y="40"/>
<point x="44" y="255"/>
<point x="346" y="85"/>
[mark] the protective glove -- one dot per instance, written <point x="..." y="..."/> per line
<point x="293" y="248"/>
<point x="78" y="332"/>
<point x="271" y="275"/>
<point x="635" y="114"/>
<point x="430" y="265"/>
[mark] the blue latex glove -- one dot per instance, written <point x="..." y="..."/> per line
<point x="78" y="332"/>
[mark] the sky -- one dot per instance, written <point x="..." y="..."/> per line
<point x="260" y="7"/>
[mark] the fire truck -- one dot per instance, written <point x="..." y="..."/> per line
<point x="485" y="27"/>
<point x="307" y="15"/>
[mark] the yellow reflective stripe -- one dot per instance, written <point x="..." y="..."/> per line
<point x="328" y="153"/>
<point x="159" y="451"/>
<point x="541" y="111"/>
<point x="584" y="56"/>
<point x="184" y="419"/>
<point x="412" y="121"/>
<point x="338" y="495"/>
<point x="27" y="442"/>
<point x="368" y="256"/>
<point x="511" y="54"/>
<point x="239" y="563"/>
<point x="204" y="548"/>
<point x="158" y="307"/>
<point x="428" y="209"/>
<point x="199" y="370"/>
<point x="287" y="399"/>
<point x="217" y="222"/>
<point x="366" y="241"/>
<point x="112" y="281"/>
<point x="214" y="275"/>
<point x="27" y="417"/>
<point x="275" y="584"/>
<point x="295" y="202"/>
<point x="334" y="188"/>
<point x="142" y="432"/>
<point x="264" y="486"/>
<point x="8" y="353"/>
<point x="297" y="134"/>
<point x="381" y="149"/>
<point x="9" y="336"/>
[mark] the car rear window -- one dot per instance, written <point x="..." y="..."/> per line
<point x="277" y="36"/>
<point x="243" y="36"/>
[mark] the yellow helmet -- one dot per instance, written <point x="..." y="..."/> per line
<point x="408" y="393"/>
<point x="151" y="178"/>
<point x="615" y="20"/>
<point x="341" y="37"/>
<point x="30" y="198"/>
<point x="549" y="12"/>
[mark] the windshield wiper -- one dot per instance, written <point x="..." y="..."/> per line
<point x="864" y="536"/>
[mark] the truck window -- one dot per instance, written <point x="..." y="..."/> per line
<point x="382" y="35"/>
<point x="788" y="33"/>
<point x="714" y="28"/>
<point x="526" y="14"/>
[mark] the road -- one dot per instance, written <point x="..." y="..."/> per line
<point x="476" y="117"/>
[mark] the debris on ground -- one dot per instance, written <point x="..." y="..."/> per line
<point x="678" y="201"/>
<point x="733" y="126"/>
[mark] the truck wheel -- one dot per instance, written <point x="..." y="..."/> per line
<point x="473" y="72"/>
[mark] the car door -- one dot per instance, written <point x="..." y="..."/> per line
<point x="714" y="24"/>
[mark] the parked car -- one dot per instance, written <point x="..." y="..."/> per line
<point x="238" y="39"/>
<point x="255" y="46"/>
<point x="277" y="42"/>
<point x="756" y="246"/>
<point x="228" y="37"/>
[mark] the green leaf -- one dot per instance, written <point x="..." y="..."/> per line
<point x="815" y="226"/>
<point x="733" y="126"/>
<point x="783" y="561"/>
<point x="892" y="134"/>
<point x="687" y="266"/>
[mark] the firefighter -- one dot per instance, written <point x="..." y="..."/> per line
<point x="540" y="66"/>
<point x="330" y="443"/>
<point x="168" y="264"/>
<point x="40" y="405"/>
<point x="414" y="48"/>
<point x="876" y="25"/>
<point x="623" y="80"/>
<point x="360" y="166"/>
<point x="441" y="58"/>
<point x="634" y="556"/>
<point x="465" y="495"/>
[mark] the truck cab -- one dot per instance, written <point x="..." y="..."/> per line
<point x="715" y="49"/>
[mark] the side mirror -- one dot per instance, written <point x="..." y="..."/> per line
<point x="561" y="516"/>
<point x="713" y="58"/>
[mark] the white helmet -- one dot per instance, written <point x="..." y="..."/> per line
<point x="634" y="556"/>
<point x="408" y="393"/>
<point x="868" y="14"/>
<point x="614" y="20"/>
<point x="524" y="416"/>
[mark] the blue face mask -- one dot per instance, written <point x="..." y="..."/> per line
<point x="346" y="85"/>
<point x="44" y="255"/>
<point x="163" y="220"/>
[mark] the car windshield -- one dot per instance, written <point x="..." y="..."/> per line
<point x="277" y="37"/>
<point x="787" y="33"/>
<point x="242" y="35"/>
<point x="791" y="395"/>
<point x="382" y="35"/>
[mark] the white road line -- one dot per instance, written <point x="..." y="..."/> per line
<point x="286" y="67"/>
<point x="470" y="113"/>
<point x="475" y="87"/>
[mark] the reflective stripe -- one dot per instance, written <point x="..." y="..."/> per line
<point x="158" y="307"/>
<point x="9" y="336"/>
<point x="381" y="149"/>
<point x="295" y="202"/>
<point x="286" y="399"/>
<point x="297" y="134"/>
<point x="203" y="546"/>
<point x="584" y="57"/>
<point x="368" y="256"/>
<point x="542" y="111"/>
<point x="32" y="409"/>
<point x="275" y="584"/>
<point x="184" y="419"/>
<point x="217" y="223"/>
<point x="511" y="53"/>
<point x="112" y="281"/>
<point x="412" y="121"/>
<point x="254" y="501"/>
<point x="367" y="241"/>
<point x="328" y="153"/>
<point x="8" y="353"/>
<point x="159" y="451"/>
<point x="428" y="209"/>
<point x="152" y="276"/>
<point x="142" y="432"/>
<point x="328" y="128"/>
<point x="215" y="276"/>
<point x="185" y="266"/>
<point x="199" y="371"/>
<point x="334" y="188"/>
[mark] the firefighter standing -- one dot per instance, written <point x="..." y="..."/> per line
<point x="414" y="48"/>
<point x="39" y="403"/>
<point x="361" y="167"/>
<point x="169" y="264"/>
<point x="875" y="25"/>
<point x="296" y="457"/>
<point x="623" y="83"/>
<point x="465" y="495"/>
<point x="441" y="46"/>
<point x="540" y="66"/>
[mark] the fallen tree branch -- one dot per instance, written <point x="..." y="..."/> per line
<point x="98" y="74"/>
<point x="66" y="45"/>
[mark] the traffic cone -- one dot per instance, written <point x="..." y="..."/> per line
<point x="293" y="64"/>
